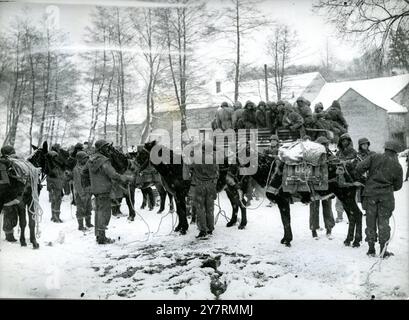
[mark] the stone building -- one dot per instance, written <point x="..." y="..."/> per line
<point x="375" y="108"/>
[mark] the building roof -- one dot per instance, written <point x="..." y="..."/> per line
<point x="379" y="91"/>
<point x="254" y="90"/>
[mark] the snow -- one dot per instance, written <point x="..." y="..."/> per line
<point x="253" y="90"/>
<point x="253" y="263"/>
<point x="379" y="91"/>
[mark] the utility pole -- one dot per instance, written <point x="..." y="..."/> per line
<point x="265" y="81"/>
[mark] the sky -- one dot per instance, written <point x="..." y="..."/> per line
<point x="313" y="32"/>
<point x="72" y="17"/>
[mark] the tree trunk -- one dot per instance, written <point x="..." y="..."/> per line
<point x="237" y="66"/>
<point x="46" y="89"/>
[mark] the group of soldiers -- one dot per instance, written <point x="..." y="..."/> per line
<point x="91" y="172"/>
<point x="383" y="175"/>
<point x="280" y="114"/>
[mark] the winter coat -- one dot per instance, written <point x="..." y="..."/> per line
<point x="260" y="117"/>
<point x="347" y="153"/>
<point x="56" y="177"/>
<point x="292" y="120"/>
<point x="237" y="121"/>
<point x="305" y="113"/>
<point x="334" y="113"/>
<point x="269" y="118"/>
<point x="101" y="173"/>
<point x="271" y="152"/>
<point x="363" y="154"/>
<point x="77" y="181"/>
<point x="204" y="172"/>
<point x="224" y="117"/>
<point x="385" y="174"/>
<point x="249" y="116"/>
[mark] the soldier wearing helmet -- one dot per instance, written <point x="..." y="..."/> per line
<point x="55" y="184"/>
<point x="363" y="148"/>
<point x="326" y="204"/>
<point x="82" y="192"/>
<point x="99" y="173"/>
<point x="272" y="150"/>
<point x="7" y="151"/>
<point x="385" y="176"/>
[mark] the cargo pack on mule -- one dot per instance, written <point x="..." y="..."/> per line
<point x="305" y="167"/>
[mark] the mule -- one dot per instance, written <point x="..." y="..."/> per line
<point x="345" y="193"/>
<point x="173" y="181"/>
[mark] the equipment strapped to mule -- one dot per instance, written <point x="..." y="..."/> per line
<point x="29" y="175"/>
<point x="305" y="168"/>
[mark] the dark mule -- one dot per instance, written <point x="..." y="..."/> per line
<point x="345" y="193"/>
<point x="145" y="184"/>
<point x="23" y="192"/>
<point x="172" y="177"/>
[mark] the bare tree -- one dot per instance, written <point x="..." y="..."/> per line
<point x="183" y="28"/>
<point x="152" y="43"/>
<point x="368" y="21"/>
<point x="239" y="19"/>
<point x="280" y="47"/>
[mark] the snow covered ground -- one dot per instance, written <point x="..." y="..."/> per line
<point x="250" y="263"/>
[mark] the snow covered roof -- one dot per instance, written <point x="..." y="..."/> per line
<point x="254" y="90"/>
<point x="379" y="91"/>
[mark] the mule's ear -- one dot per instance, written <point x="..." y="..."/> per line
<point x="34" y="147"/>
<point x="45" y="147"/>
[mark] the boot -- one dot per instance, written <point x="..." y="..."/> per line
<point x="201" y="235"/>
<point x="329" y="235"/>
<point x="102" y="239"/>
<point x="88" y="222"/>
<point x="54" y="218"/>
<point x="10" y="237"/>
<point x="385" y="254"/>
<point x="371" y="251"/>
<point x="81" y="224"/>
<point x="57" y="218"/>
<point x="314" y="234"/>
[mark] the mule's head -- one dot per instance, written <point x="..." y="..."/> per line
<point x="143" y="155"/>
<point x="118" y="159"/>
<point x="39" y="157"/>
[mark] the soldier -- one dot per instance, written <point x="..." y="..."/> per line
<point x="326" y="204"/>
<point x="261" y="115"/>
<point x="407" y="166"/>
<point x="346" y="152"/>
<point x="11" y="212"/>
<point x="82" y="193"/>
<point x="204" y="179"/>
<point x="363" y="149"/>
<point x="280" y="113"/>
<point x="249" y="115"/>
<point x="55" y="184"/>
<point x="237" y="121"/>
<point x="292" y="120"/>
<point x="224" y="116"/>
<point x="100" y="173"/>
<point x="272" y="151"/>
<point x="337" y="121"/>
<point x="385" y="176"/>
<point x="271" y="116"/>
<point x="304" y="110"/>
